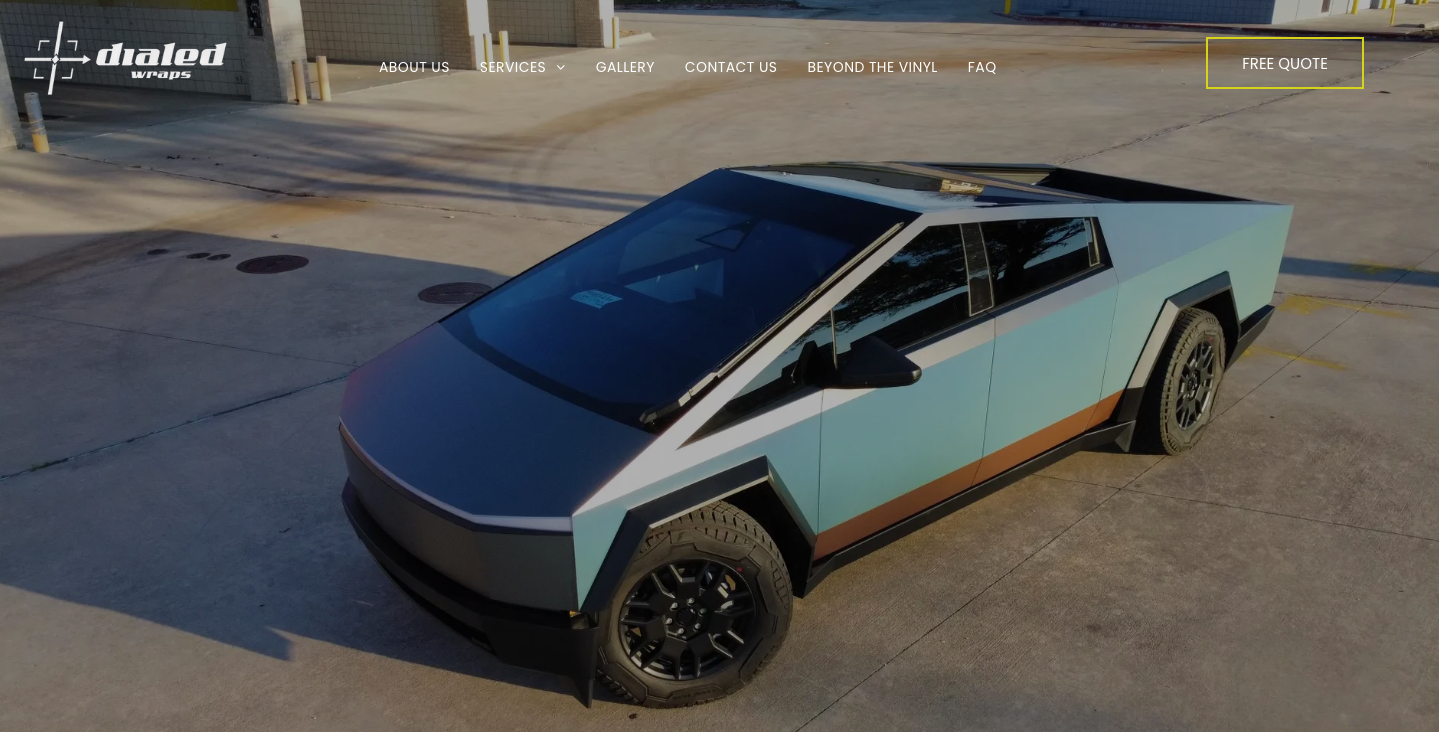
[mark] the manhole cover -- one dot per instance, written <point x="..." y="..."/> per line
<point x="454" y="293"/>
<point x="273" y="264"/>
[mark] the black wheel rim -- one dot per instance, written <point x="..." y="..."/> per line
<point x="686" y="619"/>
<point x="1196" y="385"/>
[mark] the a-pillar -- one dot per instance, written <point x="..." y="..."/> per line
<point x="462" y="22"/>
<point x="10" y="133"/>
<point x="592" y="22"/>
<point x="274" y="37"/>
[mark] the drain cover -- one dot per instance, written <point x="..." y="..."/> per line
<point x="454" y="293"/>
<point x="273" y="264"/>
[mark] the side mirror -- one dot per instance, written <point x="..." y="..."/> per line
<point x="874" y="364"/>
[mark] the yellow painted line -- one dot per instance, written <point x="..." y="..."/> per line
<point x="1293" y="357"/>
<point x="1373" y="268"/>
<point x="1305" y="305"/>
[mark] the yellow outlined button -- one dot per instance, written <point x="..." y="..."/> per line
<point x="1362" y="62"/>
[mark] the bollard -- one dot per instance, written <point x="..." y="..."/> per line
<point x="38" y="136"/>
<point x="1006" y="6"/>
<point x="504" y="46"/>
<point x="322" y="66"/>
<point x="1354" y="9"/>
<point x="614" y="31"/>
<point x="302" y="90"/>
<point x="488" y="55"/>
<point x="1391" y="13"/>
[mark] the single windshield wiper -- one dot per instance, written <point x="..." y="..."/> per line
<point x="655" y="414"/>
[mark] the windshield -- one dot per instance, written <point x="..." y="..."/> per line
<point x="638" y="313"/>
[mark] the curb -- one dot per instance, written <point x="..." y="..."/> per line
<point x="1419" y="36"/>
<point x="636" y="38"/>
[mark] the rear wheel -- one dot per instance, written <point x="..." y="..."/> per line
<point x="1179" y="399"/>
<point x="702" y="609"/>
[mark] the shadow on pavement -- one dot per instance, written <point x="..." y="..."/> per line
<point x="1351" y="271"/>
<point x="313" y="154"/>
<point x="230" y="529"/>
<point x="77" y="111"/>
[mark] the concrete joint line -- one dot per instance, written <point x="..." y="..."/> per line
<point x="1277" y="514"/>
<point x="961" y="608"/>
<point x="1281" y="369"/>
<point x="294" y="194"/>
<point x="173" y="427"/>
<point x="177" y="338"/>
<point x="1222" y="115"/>
<point x="1365" y="302"/>
<point x="186" y="176"/>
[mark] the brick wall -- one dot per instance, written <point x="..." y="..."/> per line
<point x="1287" y="11"/>
<point x="592" y="22"/>
<point x="457" y="46"/>
<point x="136" y="23"/>
<point x="372" y="31"/>
<point x="535" y="21"/>
<point x="9" y="119"/>
<point x="269" y="56"/>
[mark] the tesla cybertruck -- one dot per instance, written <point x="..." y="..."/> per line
<point x="623" y="464"/>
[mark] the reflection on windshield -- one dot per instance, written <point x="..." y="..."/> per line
<point x="635" y="315"/>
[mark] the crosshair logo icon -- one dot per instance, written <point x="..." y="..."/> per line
<point x="55" y="58"/>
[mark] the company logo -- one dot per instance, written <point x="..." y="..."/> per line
<point x="168" y="57"/>
<point x="55" y="59"/>
<point x="117" y="55"/>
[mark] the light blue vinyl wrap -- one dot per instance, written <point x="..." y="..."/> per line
<point x="887" y="442"/>
<point x="1160" y="249"/>
<point x="842" y="462"/>
<point x="1050" y="367"/>
<point x="793" y="454"/>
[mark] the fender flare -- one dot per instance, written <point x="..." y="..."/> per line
<point x="1218" y="293"/>
<point x="752" y="486"/>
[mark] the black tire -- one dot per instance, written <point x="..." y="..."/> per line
<point x="737" y="601"/>
<point x="1179" y="398"/>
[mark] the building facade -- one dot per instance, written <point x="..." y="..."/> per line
<point x="247" y="47"/>
<point x="1193" y="11"/>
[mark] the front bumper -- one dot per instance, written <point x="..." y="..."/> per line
<point x="543" y="640"/>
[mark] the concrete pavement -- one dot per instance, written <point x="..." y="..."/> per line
<point x="181" y="562"/>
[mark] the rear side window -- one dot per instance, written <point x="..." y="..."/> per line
<point x="921" y="291"/>
<point x="1029" y="255"/>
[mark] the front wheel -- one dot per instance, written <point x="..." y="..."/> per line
<point x="703" y="608"/>
<point x="1179" y="399"/>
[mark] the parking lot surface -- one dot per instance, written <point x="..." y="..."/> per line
<point x="173" y="554"/>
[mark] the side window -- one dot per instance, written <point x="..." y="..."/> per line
<point x="1031" y="254"/>
<point x="782" y="378"/>
<point x="923" y="290"/>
